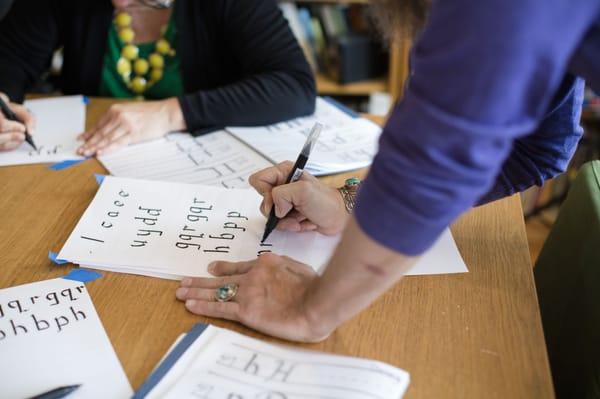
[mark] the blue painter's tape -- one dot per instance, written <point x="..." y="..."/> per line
<point x="52" y="256"/>
<point x="66" y="164"/>
<point x="170" y="361"/>
<point x="86" y="100"/>
<point x="99" y="178"/>
<point x="82" y="275"/>
<point x="341" y="107"/>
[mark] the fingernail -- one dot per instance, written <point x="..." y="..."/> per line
<point x="186" y="282"/>
<point x="211" y="267"/>
<point x="190" y="303"/>
<point x="181" y="293"/>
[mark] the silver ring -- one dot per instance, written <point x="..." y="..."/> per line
<point x="226" y="293"/>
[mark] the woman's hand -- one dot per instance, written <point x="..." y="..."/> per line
<point x="129" y="123"/>
<point x="12" y="134"/>
<point x="271" y="297"/>
<point x="311" y="204"/>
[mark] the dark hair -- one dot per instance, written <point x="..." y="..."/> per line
<point x="400" y="18"/>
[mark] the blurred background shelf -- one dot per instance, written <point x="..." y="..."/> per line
<point x="328" y="86"/>
<point x="342" y="43"/>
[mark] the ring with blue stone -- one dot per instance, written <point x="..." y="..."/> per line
<point x="226" y="293"/>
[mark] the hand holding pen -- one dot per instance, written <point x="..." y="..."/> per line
<point x="294" y="174"/>
<point x="16" y="125"/>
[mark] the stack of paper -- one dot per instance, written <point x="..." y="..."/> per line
<point x="217" y="159"/>
<point x="211" y="362"/>
<point x="51" y="337"/>
<point x="172" y="230"/>
<point x="346" y="142"/>
<point x="58" y="122"/>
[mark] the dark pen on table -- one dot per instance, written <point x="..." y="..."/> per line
<point x="57" y="393"/>
<point x="10" y="115"/>
<point x="295" y="174"/>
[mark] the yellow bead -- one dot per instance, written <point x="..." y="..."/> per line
<point x="156" y="75"/>
<point x="156" y="60"/>
<point x="140" y="66"/>
<point x="130" y="52"/>
<point x="123" y="66"/>
<point x="126" y="35"/>
<point x="163" y="46"/>
<point x="123" y="20"/>
<point x="138" y="84"/>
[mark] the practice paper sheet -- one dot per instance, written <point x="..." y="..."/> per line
<point x="58" y="122"/>
<point x="172" y="230"/>
<point x="345" y="143"/>
<point x="216" y="158"/>
<point x="51" y="336"/>
<point x="223" y="364"/>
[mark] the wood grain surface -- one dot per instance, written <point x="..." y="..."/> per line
<point x="473" y="335"/>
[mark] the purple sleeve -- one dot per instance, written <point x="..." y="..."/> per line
<point x="547" y="152"/>
<point x="484" y="74"/>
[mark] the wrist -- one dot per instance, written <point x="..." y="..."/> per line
<point x="320" y="322"/>
<point x="175" y="119"/>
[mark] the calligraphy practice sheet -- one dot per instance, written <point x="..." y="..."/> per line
<point x="172" y="230"/>
<point x="217" y="159"/>
<point x="221" y="364"/>
<point x="345" y="143"/>
<point x="51" y="336"/>
<point x="58" y="122"/>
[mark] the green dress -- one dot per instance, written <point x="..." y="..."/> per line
<point x="111" y="83"/>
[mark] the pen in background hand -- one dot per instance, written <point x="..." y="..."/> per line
<point x="295" y="174"/>
<point x="9" y="114"/>
<point x="57" y="393"/>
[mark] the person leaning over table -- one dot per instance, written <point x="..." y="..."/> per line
<point x="492" y="106"/>
<point x="204" y="64"/>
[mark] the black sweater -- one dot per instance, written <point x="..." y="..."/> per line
<point x="240" y="63"/>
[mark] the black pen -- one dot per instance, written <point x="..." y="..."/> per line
<point x="295" y="174"/>
<point x="57" y="393"/>
<point x="9" y="114"/>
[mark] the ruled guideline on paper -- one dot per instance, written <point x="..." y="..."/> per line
<point x="216" y="159"/>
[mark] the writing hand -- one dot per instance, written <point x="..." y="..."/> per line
<point x="12" y="134"/>
<point x="270" y="298"/>
<point x="311" y="204"/>
<point x="130" y="123"/>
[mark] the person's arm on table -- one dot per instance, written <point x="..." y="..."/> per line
<point x="282" y="297"/>
<point x="470" y="96"/>
<point x="128" y="123"/>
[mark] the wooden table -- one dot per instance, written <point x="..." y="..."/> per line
<point x="474" y="335"/>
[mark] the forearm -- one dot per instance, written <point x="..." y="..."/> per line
<point x="359" y="272"/>
<point x="261" y="99"/>
<point x="174" y="115"/>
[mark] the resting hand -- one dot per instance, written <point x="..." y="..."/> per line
<point x="311" y="204"/>
<point x="270" y="298"/>
<point x="12" y="134"/>
<point x="129" y="123"/>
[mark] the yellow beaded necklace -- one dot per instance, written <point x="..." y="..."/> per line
<point x="147" y="71"/>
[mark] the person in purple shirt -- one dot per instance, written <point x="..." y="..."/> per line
<point x="492" y="106"/>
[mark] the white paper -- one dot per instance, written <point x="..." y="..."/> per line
<point x="172" y="230"/>
<point x="217" y="159"/>
<point x="58" y="122"/>
<point x="51" y="336"/>
<point x="345" y="143"/>
<point x="222" y="364"/>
